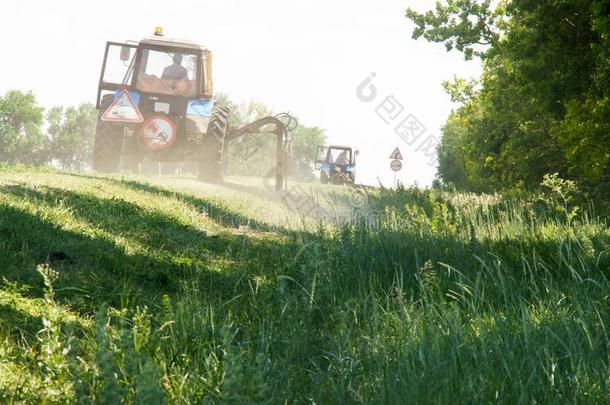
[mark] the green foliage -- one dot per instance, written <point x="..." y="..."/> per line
<point x="244" y="379"/>
<point x="585" y="135"/>
<point x="108" y="389"/>
<point x="55" y="347"/>
<point x="542" y="105"/>
<point x="563" y="193"/>
<point x="148" y="385"/>
<point x="71" y="133"/>
<point x="443" y="297"/>
<point x="303" y="151"/>
<point x="460" y="90"/>
<point x="68" y="139"/>
<point x="465" y="25"/>
<point x="21" y="139"/>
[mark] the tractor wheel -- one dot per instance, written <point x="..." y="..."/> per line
<point x="133" y="155"/>
<point x="211" y="161"/>
<point x="108" y="141"/>
<point x="336" y="176"/>
<point x="323" y="177"/>
<point x="107" y="148"/>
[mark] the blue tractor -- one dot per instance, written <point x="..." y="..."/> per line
<point x="337" y="164"/>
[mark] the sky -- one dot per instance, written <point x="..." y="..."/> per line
<point x="307" y="57"/>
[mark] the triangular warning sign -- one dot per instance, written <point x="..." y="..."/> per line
<point x="123" y="109"/>
<point x="396" y="155"/>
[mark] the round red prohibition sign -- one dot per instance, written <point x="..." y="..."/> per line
<point x="158" y="132"/>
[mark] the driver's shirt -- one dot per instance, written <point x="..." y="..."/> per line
<point x="342" y="159"/>
<point x="174" y="72"/>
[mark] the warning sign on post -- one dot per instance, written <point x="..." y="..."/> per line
<point x="396" y="155"/>
<point x="123" y="109"/>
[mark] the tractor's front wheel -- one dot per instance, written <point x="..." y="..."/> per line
<point x="107" y="148"/>
<point x="211" y="160"/>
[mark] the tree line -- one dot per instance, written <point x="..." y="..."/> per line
<point x="542" y="103"/>
<point x="64" y="137"/>
<point x="59" y="136"/>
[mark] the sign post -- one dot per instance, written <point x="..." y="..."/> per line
<point x="396" y="163"/>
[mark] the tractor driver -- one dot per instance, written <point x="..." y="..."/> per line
<point x="342" y="158"/>
<point x="175" y="71"/>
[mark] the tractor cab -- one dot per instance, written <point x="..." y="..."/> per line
<point x="337" y="164"/>
<point x="164" y="67"/>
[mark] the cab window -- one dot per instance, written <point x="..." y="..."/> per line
<point x="119" y="64"/>
<point x="171" y="73"/>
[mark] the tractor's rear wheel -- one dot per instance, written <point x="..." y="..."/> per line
<point x="133" y="155"/>
<point x="211" y="161"/>
<point x="108" y="141"/>
<point x="323" y="177"/>
<point x="107" y="148"/>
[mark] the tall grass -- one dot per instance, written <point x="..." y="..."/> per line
<point x="444" y="298"/>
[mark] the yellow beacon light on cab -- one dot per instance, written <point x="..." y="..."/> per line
<point x="159" y="31"/>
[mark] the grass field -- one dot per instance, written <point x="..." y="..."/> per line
<point x="164" y="290"/>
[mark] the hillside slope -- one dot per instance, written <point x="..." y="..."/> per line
<point x="167" y="290"/>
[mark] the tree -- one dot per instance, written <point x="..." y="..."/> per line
<point x="71" y="133"/>
<point x="303" y="153"/>
<point x="541" y="104"/>
<point x="21" y="139"/>
<point x="466" y="25"/>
